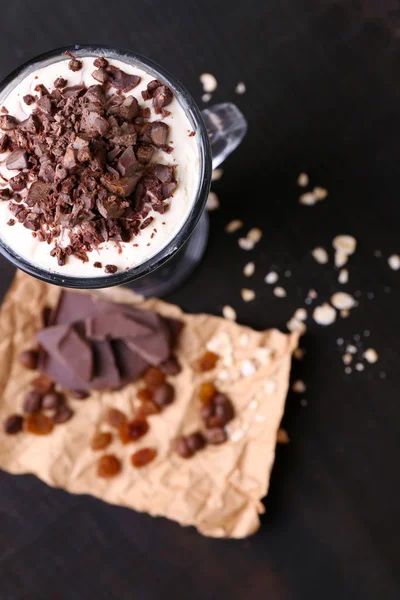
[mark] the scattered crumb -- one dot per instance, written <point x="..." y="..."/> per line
<point x="206" y="97"/>
<point x="340" y="341"/>
<point x="345" y="243"/>
<point x="208" y="82"/>
<point x="382" y="374"/>
<point x="394" y="262"/>
<point x="240" y="88"/>
<point x="216" y="174"/>
<point x="288" y="273"/>
<point x="312" y="294"/>
<point x="348" y="370"/>
<point x="254" y="235"/>
<point x="300" y="314"/>
<point x="370" y="295"/>
<point x="271" y="277"/>
<point x="340" y="259"/>
<point x="343" y="276"/>
<point x="359" y="367"/>
<point x="247" y="295"/>
<point x="302" y="180"/>
<point x="229" y="313"/>
<point x="371" y="355"/>
<point x="299" y="353"/>
<point x="299" y="387"/>
<point x="245" y="243"/>
<point x="320" y="193"/>
<point x="248" y="269"/>
<point x="324" y="314"/>
<point x="387" y="289"/>
<point x="212" y="201"/>
<point x="356" y="337"/>
<point x="303" y="402"/>
<point x="282" y="436"/>
<point x="279" y="292"/>
<point x="296" y="325"/>
<point x="367" y="333"/>
<point x="233" y="226"/>
<point x="320" y="255"/>
<point x="307" y="199"/>
<point x="378" y="253"/>
<point x="343" y="301"/>
<point x="352" y="349"/>
<point x="347" y="358"/>
<point x="344" y="313"/>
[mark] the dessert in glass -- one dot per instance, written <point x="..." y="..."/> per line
<point x="105" y="169"/>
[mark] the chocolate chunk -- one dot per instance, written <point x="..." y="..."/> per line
<point x="13" y="424"/>
<point x="163" y="172"/>
<point x="121" y="80"/>
<point x="28" y="99"/>
<point x="170" y="366"/>
<point x="43" y="384"/>
<point x="74" y="91"/>
<point x="159" y="133"/>
<point x="110" y="269"/>
<point x="100" y="62"/>
<point x="96" y="93"/>
<point x="30" y="125"/>
<point x="100" y="75"/>
<point x="52" y="400"/>
<point x="5" y="194"/>
<point x="18" y="182"/>
<point x="75" y="64"/>
<point x="98" y="265"/>
<point x="127" y="163"/>
<point x="29" y="358"/>
<point x="62" y="415"/>
<point x="41" y="89"/>
<point x="127" y="110"/>
<point x="144" y="153"/>
<point x="4" y="142"/>
<point x="162" y="97"/>
<point x="69" y="160"/>
<point x="7" y="122"/>
<point x="216" y="435"/>
<point x="164" y="395"/>
<point x="76" y="355"/>
<point x="60" y="82"/>
<point x="151" y="89"/>
<point x="123" y="186"/>
<point x="79" y="394"/>
<point x="37" y="193"/>
<point x="167" y="189"/>
<point x="93" y="122"/>
<point x="32" y="402"/>
<point x="195" y="442"/>
<point x="44" y="104"/>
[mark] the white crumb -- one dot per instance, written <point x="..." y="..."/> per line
<point x="340" y="341"/>
<point x="299" y="387"/>
<point x="348" y="370"/>
<point x="320" y="255"/>
<point x="347" y="358"/>
<point x="206" y="97"/>
<point x="324" y="314"/>
<point x="240" y="88"/>
<point x="394" y="262"/>
<point x="216" y="174"/>
<point x="296" y="325"/>
<point x="360" y="367"/>
<point x="308" y="199"/>
<point x="279" y="292"/>
<point x="371" y="355"/>
<point x="300" y="314"/>
<point x="212" y="201"/>
<point x="345" y="243"/>
<point x="271" y="277"/>
<point x="229" y="313"/>
<point x="233" y="226"/>
<point x="343" y="301"/>
<point x="351" y="348"/>
<point x="245" y="243"/>
<point x="302" y="180"/>
<point x="247" y="295"/>
<point x="248" y="269"/>
<point x="341" y="259"/>
<point x="343" y="276"/>
<point x="208" y="82"/>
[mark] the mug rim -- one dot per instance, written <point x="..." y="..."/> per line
<point x="205" y="159"/>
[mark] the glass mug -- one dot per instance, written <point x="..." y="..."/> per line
<point x="220" y="130"/>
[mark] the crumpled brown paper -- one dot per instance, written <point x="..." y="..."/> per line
<point x="218" y="491"/>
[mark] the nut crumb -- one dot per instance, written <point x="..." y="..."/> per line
<point x="248" y="269"/>
<point x="394" y="262"/>
<point x="212" y="202"/>
<point x="320" y="193"/>
<point x="229" y="313"/>
<point x="345" y="243"/>
<point x="254" y="235"/>
<point x="371" y="355"/>
<point x="233" y="226"/>
<point x="240" y="88"/>
<point x="320" y="255"/>
<point x="308" y="199"/>
<point x="282" y="436"/>
<point x="271" y="277"/>
<point x="302" y="180"/>
<point x="279" y="292"/>
<point x="343" y="301"/>
<point x="208" y="82"/>
<point x="245" y="243"/>
<point x="324" y="314"/>
<point x="247" y="295"/>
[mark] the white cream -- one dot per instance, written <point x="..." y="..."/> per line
<point x="185" y="157"/>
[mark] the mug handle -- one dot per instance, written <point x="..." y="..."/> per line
<point x="226" y="127"/>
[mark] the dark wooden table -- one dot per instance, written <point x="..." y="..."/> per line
<point x="323" y="95"/>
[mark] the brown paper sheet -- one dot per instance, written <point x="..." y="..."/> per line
<point x="219" y="491"/>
